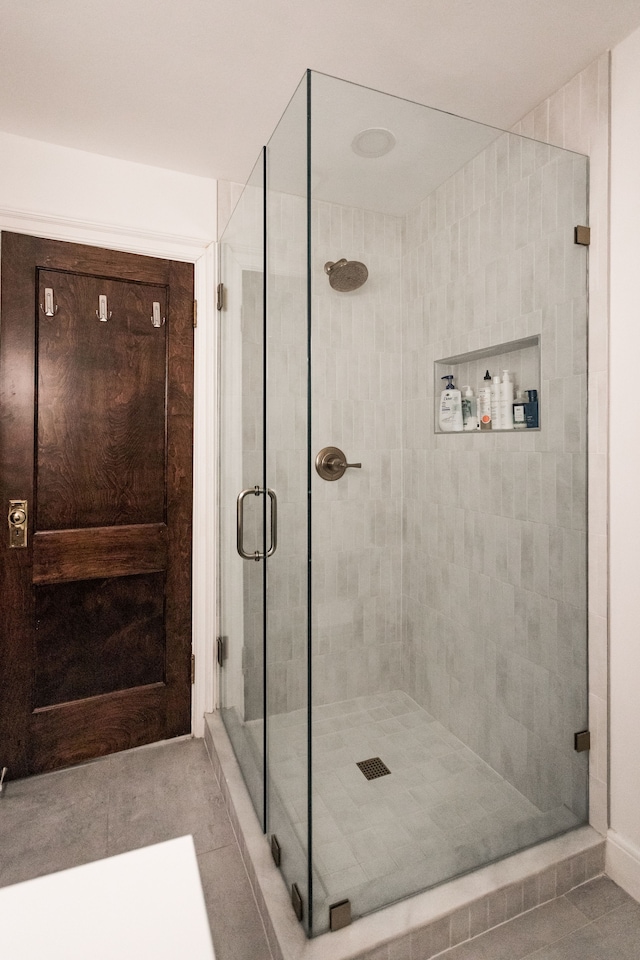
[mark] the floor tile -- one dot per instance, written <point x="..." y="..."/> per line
<point x="58" y="820"/>
<point x="50" y="837"/>
<point x="236" y="928"/>
<point x="598" y="897"/>
<point x="128" y="800"/>
<point x="522" y="936"/>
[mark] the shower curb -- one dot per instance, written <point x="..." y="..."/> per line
<point x="421" y="926"/>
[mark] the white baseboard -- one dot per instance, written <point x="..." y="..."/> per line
<point x="622" y="863"/>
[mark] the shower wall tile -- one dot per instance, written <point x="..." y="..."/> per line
<point x="501" y="518"/>
<point x="356" y="375"/>
<point x="577" y="118"/>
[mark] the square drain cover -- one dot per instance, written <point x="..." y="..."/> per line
<point x="373" y="768"/>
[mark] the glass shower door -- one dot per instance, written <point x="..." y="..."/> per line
<point x="241" y="472"/>
<point x="286" y="419"/>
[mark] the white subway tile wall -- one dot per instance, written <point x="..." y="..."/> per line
<point x="577" y="117"/>
<point x="494" y="583"/>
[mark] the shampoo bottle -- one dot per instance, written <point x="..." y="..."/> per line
<point x="519" y="416"/>
<point x="469" y="410"/>
<point x="484" y="403"/>
<point x="450" y="416"/>
<point x="531" y="408"/>
<point x="506" y="402"/>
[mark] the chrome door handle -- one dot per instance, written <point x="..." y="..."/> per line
<point x="256" y="555"/>
<point x="331" y="463"/>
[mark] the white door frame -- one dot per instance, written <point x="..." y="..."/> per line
<point x="202" y="254"/>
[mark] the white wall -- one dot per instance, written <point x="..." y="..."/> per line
<point x="65" y="194"/>
<point x="129" y="198"/>
<point x="623" y="860"/>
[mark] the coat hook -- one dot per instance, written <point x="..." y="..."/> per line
<point x="156" y="319"/>
<point x="50" y="309"/>
<point x="102" y="313"/>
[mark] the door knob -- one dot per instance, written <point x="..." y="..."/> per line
<point x="331" y="463"/>
<point x="17" y="518"/>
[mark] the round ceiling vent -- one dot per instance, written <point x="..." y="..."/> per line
<point x="374" y="142"/>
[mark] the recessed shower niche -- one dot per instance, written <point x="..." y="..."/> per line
<point x="520" y="359"/>
<point x="427" y="609"/>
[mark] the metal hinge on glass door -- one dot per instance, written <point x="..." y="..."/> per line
<point x="220" y="296"/>
<point x="221" y="650"/>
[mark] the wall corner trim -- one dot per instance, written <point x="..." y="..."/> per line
<point x="622" y="863"/>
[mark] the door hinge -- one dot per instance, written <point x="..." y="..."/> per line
<point x="220" y="296"/>
<point x="582" y="235"/>
<point x="296" y="901"/>
<point x="582" y="741"/>
<point x="339" y="915"/>
<point x="275" y="850"/>
<point x="193" y="668"/>
<point x="195" y="313"/>
<point x="221" y="650"/>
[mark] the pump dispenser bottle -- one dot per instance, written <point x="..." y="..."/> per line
<point x="450" y="413"/>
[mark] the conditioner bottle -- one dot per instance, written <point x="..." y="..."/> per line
<point x="496" y="422"/>
<point x="469" y="410"/>
<point x="484" y="403"/>
<point x="506" y="402"/>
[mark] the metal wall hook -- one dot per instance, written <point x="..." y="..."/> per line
<point x="156" y="319"/>
<point x="50" y="308"/>
<point x="102" y="313"/>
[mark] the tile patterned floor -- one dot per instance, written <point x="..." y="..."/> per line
<point x="144" y="796"/>
<point x="126" y="801"/>
<point x="597" y="921"/>
<point x="441" y="812"/>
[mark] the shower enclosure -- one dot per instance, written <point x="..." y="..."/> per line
<point x="402" y="610"/>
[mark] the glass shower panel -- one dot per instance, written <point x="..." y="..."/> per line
<point x="448" y="570"/>
<point x="286" y="445"/>
<point x="241" y="581"/>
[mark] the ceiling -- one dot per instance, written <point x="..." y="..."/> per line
<point x="199" y="85"/>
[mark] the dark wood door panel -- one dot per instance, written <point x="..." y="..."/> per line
<point x="100" y="456"/>
<point x="74" y="732"/>
<point x="97" y="636"/>
<point x="96" y="433"/>
<point x="60" y="555"/>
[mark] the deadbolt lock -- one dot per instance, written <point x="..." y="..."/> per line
<point x="18" y="515"/>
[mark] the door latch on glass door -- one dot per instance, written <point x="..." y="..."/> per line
<point x="18" y="516"/>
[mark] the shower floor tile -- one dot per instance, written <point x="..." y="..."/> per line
<point x="442" y="810"/>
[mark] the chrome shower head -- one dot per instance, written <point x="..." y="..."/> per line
<point x="346" y="275"/>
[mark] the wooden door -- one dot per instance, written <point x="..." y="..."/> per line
<point x="96" y="435"/>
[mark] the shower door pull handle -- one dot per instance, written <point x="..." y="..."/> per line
<point x="273" y="500"/>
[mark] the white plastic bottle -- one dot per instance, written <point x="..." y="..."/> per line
<point x="469" y="410"/>
<point x="450" y="414"/>
<point x="484" y="403"/>
<point x="506" y="402"/>
<point x="496" y="420"/>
